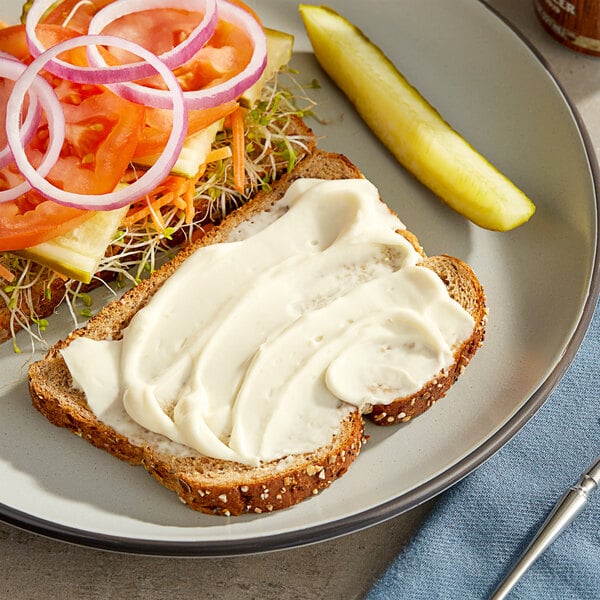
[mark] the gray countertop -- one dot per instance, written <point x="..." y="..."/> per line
<point x="35" y="567"/>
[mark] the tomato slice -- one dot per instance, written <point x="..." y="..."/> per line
<point x="159" y="30"/>
<point x="102" y="129"/>
<point x="159" y="122"/>
<point x="12" y="40"/>
<point x="225" y="55"/>
<point x="75" y="14"/>
<point x="102" y="133"/>
<point x="31" y="220"/>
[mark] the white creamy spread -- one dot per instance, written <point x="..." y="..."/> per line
<point x="256" y="348"/>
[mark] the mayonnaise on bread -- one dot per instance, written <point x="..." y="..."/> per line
<point x="256" y="348"/>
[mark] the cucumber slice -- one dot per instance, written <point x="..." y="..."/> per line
<point x="279" y="53"/>
<point x="77" y="253"/>
<point x="193" y="153"/>
<point x="410" y="127"/>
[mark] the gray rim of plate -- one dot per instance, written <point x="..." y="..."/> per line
<point x="386" y="510"/>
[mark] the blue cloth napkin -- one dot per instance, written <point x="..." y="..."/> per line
<point x="479" y="527"/>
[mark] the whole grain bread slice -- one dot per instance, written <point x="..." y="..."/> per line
<point x="222" y="487"/>
<point x="204" y="484"/>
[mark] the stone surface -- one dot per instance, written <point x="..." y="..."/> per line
<point x="344" y="569"/>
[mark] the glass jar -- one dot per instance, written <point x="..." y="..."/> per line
<point x="575" y="23"/>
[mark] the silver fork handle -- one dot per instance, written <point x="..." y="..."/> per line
<point x="563" y="514"/>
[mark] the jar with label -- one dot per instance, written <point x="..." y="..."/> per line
<point x="575" y="23"/>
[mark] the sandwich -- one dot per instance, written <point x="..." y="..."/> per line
<point x="252" y="395"/>
<point x="52" y="254"/>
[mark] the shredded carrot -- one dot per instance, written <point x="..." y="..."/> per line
<point x="189" y="209"/>
<point x="218" y="154"/>
<point x="180" y="202"/>
<point x="159" y="222"/>
<point x="174" y="190"/>
<point x="151" y="209"/>
<point x="237" y="148"/>
<point x="177" y="191"/>
<point x="189" y="193"/>
<point x="6" y="273"/>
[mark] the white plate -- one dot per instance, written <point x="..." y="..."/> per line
<point x="541" y="282"/>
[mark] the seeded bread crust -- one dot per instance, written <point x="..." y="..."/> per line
<point x="205" y="484"/>
<point x="222" y="487"/>
<point x="464" y="287"/>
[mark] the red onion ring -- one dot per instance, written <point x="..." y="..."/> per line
<point x="173" y="58"/>
<point x="101" y="73"/>
<point x="42" y="92"/>
<point x="218" y="94"/>
<point x="123" y="196"/>
<point x="12" y="70"/>
<point x="8" y="56"/>
<point x="34" y="15"/>
<point x="78" y="74"/>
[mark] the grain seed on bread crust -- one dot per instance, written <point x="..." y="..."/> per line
<point x="205" y="484"/>
<point x="463" y="287"/>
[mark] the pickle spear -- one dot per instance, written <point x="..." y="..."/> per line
<point x="414" y="132"/>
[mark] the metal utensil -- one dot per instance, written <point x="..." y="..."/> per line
<point x="565" y="511"/>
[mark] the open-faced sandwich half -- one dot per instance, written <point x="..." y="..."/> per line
<point x="239" y="374"/>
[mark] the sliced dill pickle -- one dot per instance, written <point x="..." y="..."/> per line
<point x="76" y="254"/>
<point x="420" y="139"/>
